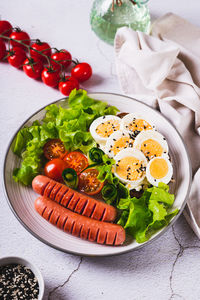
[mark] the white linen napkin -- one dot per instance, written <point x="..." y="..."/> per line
<point x="163" y="71"/>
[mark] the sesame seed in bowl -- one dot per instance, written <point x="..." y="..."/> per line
<point x="20" y="279"/>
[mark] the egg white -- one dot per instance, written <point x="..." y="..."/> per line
<point x="131" y="184"/>
<point x="126" y="120"/>
<point x="166" y="179"/>
<point x="154" y="135"/>
<point x="115" y="136"/>
<point x="99" y="139"/>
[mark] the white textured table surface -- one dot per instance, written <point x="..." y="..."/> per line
<point x="167" y="269"/>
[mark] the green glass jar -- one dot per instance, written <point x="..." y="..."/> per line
<point x="106" y="18"/>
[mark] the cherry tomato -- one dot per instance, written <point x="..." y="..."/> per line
<point x="33" y="68"/>
<point x="16" y="57"/>
<point x="2" y="49"/>
<point x="89" y="183"/>
<point x="76" y="160"/>
<point x="63" y="57"/>
<point x="82" y="72"/>
<point x="5" y="27"/>
<point x="20" y="36"/>
<point x="40" y="46"/>
<point x="50" y="77"/>
<point x="54" y="149"/>
<point x="68" y="85"/>
<point x="54" y="168"/>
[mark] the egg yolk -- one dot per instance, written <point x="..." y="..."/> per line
<point x="151" y="148"/>
<point x="105" y="129"/>
<point x="158" y="168"/>
<point x="122" y="143"/>
<point x="130" y="168"/>
<point x="139" y="125"/>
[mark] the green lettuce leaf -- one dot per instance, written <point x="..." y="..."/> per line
<point x="71" y="125"/>
<point x="144" y="216"/>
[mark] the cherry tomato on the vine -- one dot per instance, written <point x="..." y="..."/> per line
<point x="5" y="27"/>
<point x="2" y="49"/>
<point x="89" y="183"/>
<point x="20" y="35"/>
<point x="33" y="68"/>
<point x="82" y="71"/>
<point x="76" y="160"/>
<point x="67" y="85"/>
<point x="50" y="77"/>
<point x="42" y="47"/>
<point x="16" y="57"/>
<point x="54" y="168"/>
<point x="63" y="57"/>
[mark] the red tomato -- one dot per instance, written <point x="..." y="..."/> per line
<point x="42" y="47"/>
<point x="76" y="160"/>
<point x="68" y="85"/>
<point x="88" y="182"/>
<point x="20" y="36"/>
<point x="50" y="77"/>
<point x="5" y="28"/>
<point x="33" y="68"/>
<point x="54" y="168"/>
<point x="54" y="149"/>
<point x="63" y="57"/>
<point x="2" y="49"/>
<point x="82" y="72"/>
<point x="16" y="57"/>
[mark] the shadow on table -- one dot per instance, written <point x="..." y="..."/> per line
<point x="94" y="81"/>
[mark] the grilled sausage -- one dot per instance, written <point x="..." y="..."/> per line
<point x="79" y="226"/>
<point x="77" y="202"/>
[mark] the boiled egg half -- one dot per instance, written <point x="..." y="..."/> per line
<point x="130" y="167"/>
<point x="118" y="141"/>
<point x="159" y="169"/>
<point x="135" y="123"/>
<point x="103" y="127"/>
<point x="151" y="143"/>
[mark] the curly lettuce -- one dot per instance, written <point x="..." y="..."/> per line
<point x="142" y="217"/>
<point x="70" y="125"/>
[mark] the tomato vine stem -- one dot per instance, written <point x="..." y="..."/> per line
<point x="49" y="59"/>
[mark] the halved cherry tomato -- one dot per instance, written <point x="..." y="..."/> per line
<point x="54" y="149"/>
<point x="89" y="183"/>
<point x="76" y="160"/>
<point x="54" y="168"/>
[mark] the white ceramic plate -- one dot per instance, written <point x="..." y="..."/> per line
<point x="21" y="199"/>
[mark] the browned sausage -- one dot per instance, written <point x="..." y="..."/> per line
<point x="80" y="226"/>
<point x="73" y="200"/>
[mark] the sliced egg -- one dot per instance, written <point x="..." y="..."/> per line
<point x="130" y="167"/>
<point x="103" y="127"/>
<point x="159" y="169"/>
<point x="118" y="141"/>
<point x="151" y="143"/>
<point x="135" y="123"/>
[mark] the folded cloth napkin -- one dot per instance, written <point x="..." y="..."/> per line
<point x="163" y="71"/>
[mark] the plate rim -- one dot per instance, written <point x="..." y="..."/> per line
<point x="162" y="232"/>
